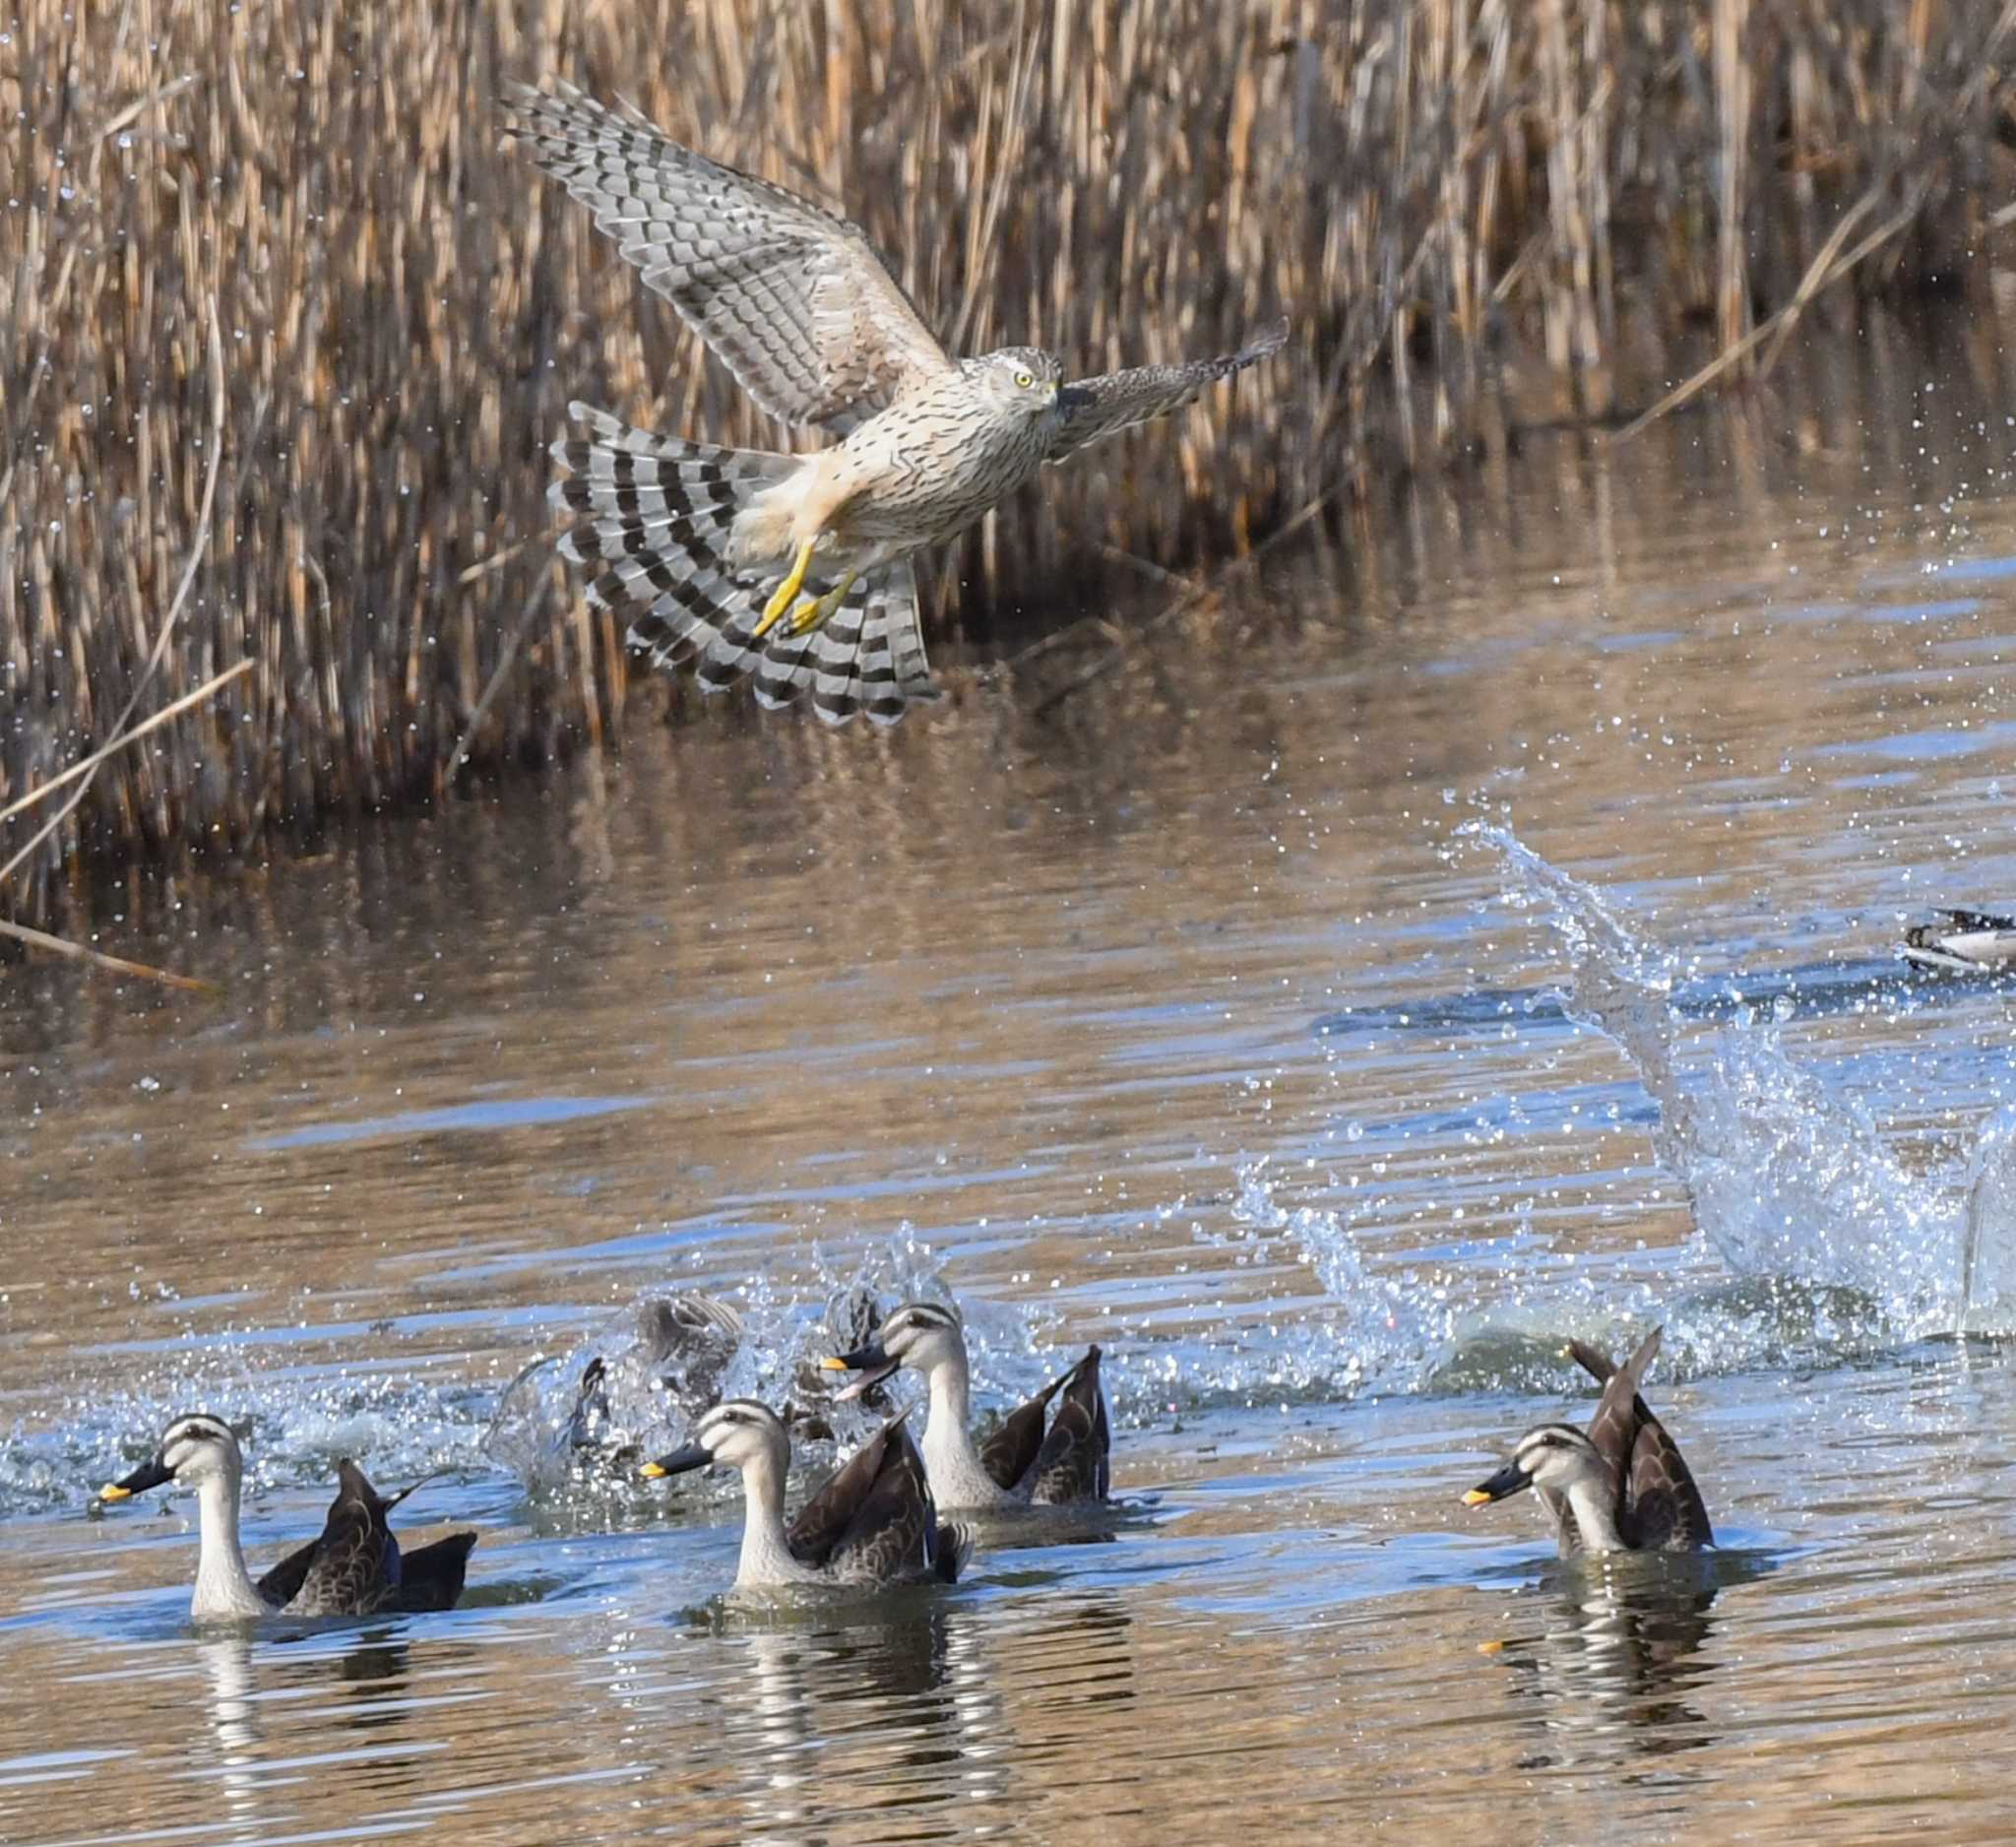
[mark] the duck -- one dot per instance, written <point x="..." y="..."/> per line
<point x="1621" y="1486"/>
<point x="871" y="1526"/>
<point x="1964" y="943"/>
<point x="683" y="1348"/>
<point x="356" y="1568"/>
<point x="1035" y="1458"/>
<point x="682" y="1345"/>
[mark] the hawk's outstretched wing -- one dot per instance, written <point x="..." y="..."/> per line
<point x="795" y="300"/>
<point x="1115" y="400"/>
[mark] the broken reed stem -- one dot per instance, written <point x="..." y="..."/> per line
<point x="98" y="958"/>
<point x="1826" y="269"/>
<point x="140" y="731"/>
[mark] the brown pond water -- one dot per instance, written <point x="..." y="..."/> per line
<point x="1288" y="1009"/>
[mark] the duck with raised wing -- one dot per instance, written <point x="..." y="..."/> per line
<point x="1621" y="1485"/>
<point x="1964" y="942"/>
<point x="1037" y="1458"/>
<point x="354" y="1568"/>
<point x="873" y="1525"/>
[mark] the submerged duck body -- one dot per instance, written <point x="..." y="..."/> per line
<point x="354" y="1568"/>
<point x="675" y="1359"/>
<point x="1621" y="1486"/>
<point x="1964" y="942"/>
<point x="680" y="1349"/>
<point x="873" y="1525"/>
<point x="1039" y="1457"/>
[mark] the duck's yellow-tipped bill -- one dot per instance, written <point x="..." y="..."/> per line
<point x="150" y="1474"/>
<point x="690" y="1456"/>
<point x="869" y="1364"/>
<point x="1477" y="1497"/>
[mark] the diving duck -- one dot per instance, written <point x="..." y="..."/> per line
<point x="873" y="1524"/>
<point x="1620" y="1487"/>
<point x="1966" y="942"/>
<point x="1023" y="1463"/>
<point x="681" y="1349"/>
<point x="354" y="1568"/>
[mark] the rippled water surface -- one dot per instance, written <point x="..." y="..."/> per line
<point x="1327" y="999"/>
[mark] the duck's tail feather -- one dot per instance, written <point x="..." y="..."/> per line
<point x="386" y="1502"/>
<point x="431" y="1577"/>
<point x="1592" y="1360"/>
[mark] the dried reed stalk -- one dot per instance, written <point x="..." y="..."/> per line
<point x="1448" y="197"/>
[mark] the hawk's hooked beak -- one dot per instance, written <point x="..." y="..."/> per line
<point x="680" y="1462"/>
<point x="1071" y="399"/>
<point x="871" y="1362"/>
<point x="1508" y="1480"/>
<point x="150" y="1474"/>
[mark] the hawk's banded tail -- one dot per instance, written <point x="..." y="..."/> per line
<point x="652" y="518"/>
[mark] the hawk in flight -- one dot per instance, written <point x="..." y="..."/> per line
<point x="797" y="568"/>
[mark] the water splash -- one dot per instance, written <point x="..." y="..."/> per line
<point x="1476" y="1321"/>
<point x="1373" y="1325"/>
<point x="1817" y="1238"/>
<point x="399" y="1423"/>
<point x="1988" y="1269"/>
<point x="293" y="1428"/>
<point x="1789" y="1179"/>
<point x="574" y="1426"/>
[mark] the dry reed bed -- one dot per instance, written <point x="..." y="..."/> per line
<point x="1463" y="207"/>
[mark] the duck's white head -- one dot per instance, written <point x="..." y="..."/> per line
<point x="920" y="1334"/>
<point x="1552" y="1456"/>
<point x="736" y="1433"/>
<point x="193" y="1450"/>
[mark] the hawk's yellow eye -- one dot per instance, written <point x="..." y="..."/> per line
<point x="1022" y="381"/>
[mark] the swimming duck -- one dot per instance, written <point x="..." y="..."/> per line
<point x="1967" y="942"/>
<point x="872" y="1524"/>
<point x="354" y="1568"/>
<point x="1023" y="1463"/>
<point x="1620" y="1487"/>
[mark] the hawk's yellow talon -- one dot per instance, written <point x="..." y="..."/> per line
<point x="812" y="610"/>
<point x="786" y="592"/>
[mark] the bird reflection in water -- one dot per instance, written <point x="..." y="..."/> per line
<point x="368" y="1673"/>
<point x="1614" y="1674"/>
<point x="842" y="1726"/>
<point x="235" y="1723"/>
